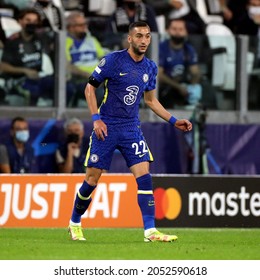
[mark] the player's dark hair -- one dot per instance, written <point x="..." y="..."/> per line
<point x="137" y="24"/>
<point x="17" y="119"/>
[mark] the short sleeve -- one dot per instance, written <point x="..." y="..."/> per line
<point x="104" y="69"/>
<point x="152" y="77"/>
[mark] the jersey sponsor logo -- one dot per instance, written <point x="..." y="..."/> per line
<point x="31" y="57"/>
<point x="177" y="70"/>
<point x="122" y="74"/>
<point x="130" y="98"/>
<point x="94" y="158"/>
<point x="145" y="78"/>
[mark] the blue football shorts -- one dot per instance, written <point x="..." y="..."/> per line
<point x="128" y="140"/>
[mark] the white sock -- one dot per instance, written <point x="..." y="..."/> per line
<point x="74" y="224"/>
<point x="149" y="231"/>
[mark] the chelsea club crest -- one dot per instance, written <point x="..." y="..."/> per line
<point x="145" y="78"/>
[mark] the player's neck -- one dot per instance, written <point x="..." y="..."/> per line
<point x="134" y="56"/>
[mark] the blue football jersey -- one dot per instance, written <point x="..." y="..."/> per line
<point x="125" y="81"/>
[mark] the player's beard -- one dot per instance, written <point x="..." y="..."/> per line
<point x="137" y="50"/>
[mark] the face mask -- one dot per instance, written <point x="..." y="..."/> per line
<point x="178" y="39"/>
<point x="76" y="152"/>
<point x="30" y="28"/>
<point x="130" y="5"/>
<point x="81" y="35"/>
<point x="22" y="135"/>
<point x="44" y="4"/>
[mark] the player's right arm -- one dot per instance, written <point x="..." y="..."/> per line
<point x="153" y="103"/>
<point x="100" y="127"/>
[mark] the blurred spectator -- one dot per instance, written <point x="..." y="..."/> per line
<point x="4" y="160"/>
<point x="28" y="71"/>
<point x="6" y="11"/>
<point x="254" y="11"/>
<point x="52" y="20"/>
<point x="83" y="52"/>
<point x="180" y="8"/>
<point x="75" y="5"/>
<point x="20" y="152"/>
<point x="70" y="156"/>
<point x="237" y="18"/>
<point x="161" y="7"/>
<point x="179" y="73"/>
<point x="187" y="10"/>
<point x="128" y="11"/>
<point x="51" y="16"/>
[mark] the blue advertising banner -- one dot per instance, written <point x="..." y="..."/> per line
<point x="229" y="149"/>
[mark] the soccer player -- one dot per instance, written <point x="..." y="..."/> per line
<point x="127" y="75"/>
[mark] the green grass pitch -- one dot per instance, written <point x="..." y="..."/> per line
<point x="127" y="244"/>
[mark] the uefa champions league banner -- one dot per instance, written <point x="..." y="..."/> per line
<point x="181" y="201"/>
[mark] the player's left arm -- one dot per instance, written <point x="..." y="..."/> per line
<point x="153" y="103"/>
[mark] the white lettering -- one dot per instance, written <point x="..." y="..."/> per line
<point x="117" y="188"/>
<point x="57" y="189"/>
<point x="31" y="57"/>
<point x="221" y="204"/>
<point x="215" y="198"/>
<point x="24" y="212"/>
<point x="243" y="196"/>
<point x="233" y="207"/>
<point x="20" y="200"/>
<point x="41" y="213"/>
<point x="199" y="198"/>
<point x="7" y="188"/>
<point x="255" y="204"/>
<point x="100" y="201"/>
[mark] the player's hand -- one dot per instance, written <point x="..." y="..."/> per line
<point x="100" y="129"/>
<point x="183" y="125"/>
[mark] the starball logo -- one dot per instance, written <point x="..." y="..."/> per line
<point x="168" y="203"/>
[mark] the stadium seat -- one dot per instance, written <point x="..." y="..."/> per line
<point x="10" y="26"/>
<point x="102" y="7"/>
<point x="161" y="22"/>
<point x="205" y="15"/>
<point x="221" y="38"/>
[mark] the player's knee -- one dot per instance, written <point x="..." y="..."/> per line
<point x="92" y="180"/>
<point x="93" y="177"/>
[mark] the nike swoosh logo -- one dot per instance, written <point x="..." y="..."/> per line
<point x="142" y="155"/>
<point x="122" y="74"/>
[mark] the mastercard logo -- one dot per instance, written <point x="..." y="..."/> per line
<point x="168" y="203"/>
